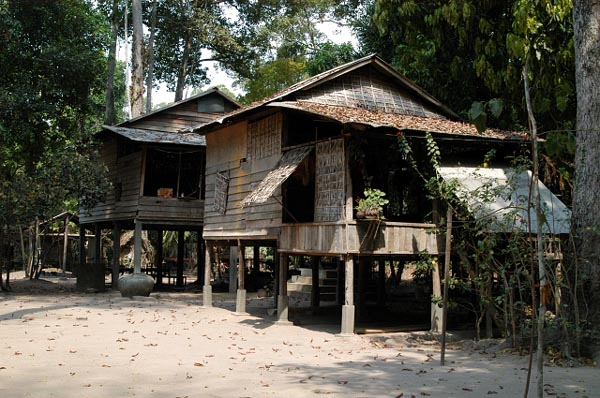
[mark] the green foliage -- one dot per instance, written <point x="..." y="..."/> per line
<point x="51" y="99"/>
<point x="464" y="52"/>
<point x="329" y="55"/>
<point x="373" y="202"/>
<point x="272" y="77"/>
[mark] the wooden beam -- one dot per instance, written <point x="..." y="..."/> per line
<point x="315" y="294"/>
<point x="65" y="244"/>
<point x="256" y="260"/>
<point x="158" y="259"/>
<point x="446" y="282"/>
<point x="116" y="236"/>
<point x="201" y="258"/>
<point x="282" y="298"/>
<point x="137" y="247"/>
<point x="97" y="244"/>
<point x="180" y="254"/>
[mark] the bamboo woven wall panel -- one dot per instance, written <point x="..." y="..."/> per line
<point x="365" y="89"/>
<point x="264" y="137"/>
<point x="221" y="188"/>
<point x="329" y="187"/>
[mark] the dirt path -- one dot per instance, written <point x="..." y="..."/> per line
<point x="98" y="345"/>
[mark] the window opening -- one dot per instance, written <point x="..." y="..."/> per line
<point x="173" y="173"/>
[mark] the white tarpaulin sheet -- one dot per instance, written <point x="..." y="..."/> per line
<point x="502" y="196"/>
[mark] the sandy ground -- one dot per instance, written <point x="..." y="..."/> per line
<point x="55" y="342"/>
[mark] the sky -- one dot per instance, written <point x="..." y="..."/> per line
<point x="217" y="76"/>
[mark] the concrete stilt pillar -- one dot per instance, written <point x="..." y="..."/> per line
<point x="207" y="288"/>
<point x="347" y="327"/>
<point x="240" y="303"/>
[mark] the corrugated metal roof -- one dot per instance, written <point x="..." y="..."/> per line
<point x="502" y="197"/>
<point x="158" y="137"/>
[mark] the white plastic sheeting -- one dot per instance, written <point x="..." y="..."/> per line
<point x="503" y="197"/>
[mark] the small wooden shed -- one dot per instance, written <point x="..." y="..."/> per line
<point x="157" y="174"/>
<point x="286" y="173"/>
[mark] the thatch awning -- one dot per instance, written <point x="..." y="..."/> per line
<point x="285" y="167"/>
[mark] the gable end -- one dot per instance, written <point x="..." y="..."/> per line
<point x="367" y="88"/>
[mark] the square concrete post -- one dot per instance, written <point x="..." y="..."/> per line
<point x="240" y="303"/>
<point x="282" y="298"/>
<point x="207" y="288"/>
<point x="348" y="307"/>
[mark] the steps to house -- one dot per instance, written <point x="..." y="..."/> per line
<point x="301" y="285"/>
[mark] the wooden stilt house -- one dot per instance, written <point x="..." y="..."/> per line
<point x="157" y="174"/>
<point x="287" y="173"/>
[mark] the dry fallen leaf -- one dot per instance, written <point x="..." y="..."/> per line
<point x="198" y="364"/>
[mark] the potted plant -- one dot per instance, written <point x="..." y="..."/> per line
<point x="371" y="206"/>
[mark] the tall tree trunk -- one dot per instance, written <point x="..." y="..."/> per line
<point x="585" y="226"/>
<point x="150" y="75"/>
<point x="137" y="78"/>
<point x="183" y="69"/>
<point x="109" y="111"/>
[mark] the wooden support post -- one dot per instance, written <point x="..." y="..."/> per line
<point x="82" y="250"/>
<point x="233" y="275"/>
<point x="240" y="304"/>
<point x="116" y="236"/>
<point x="201" y="259"/>
<point x="315" y="293"/>
<point x="436" y="311"/>
<point x="381" y="282"/>
<point x="347" y="327"/>
<point x="339" y="288"/>
<point x="65" y="244"/>
<point x="97" y="244"/>
<point x="207" y="288"/>
<point x="275" y="276"/>
<point x="137" y="247"/>
<point x="158" y="260"/>
<point x="180" y="255"/>
<point x="362" y="272"/>
<point x="282" y="298"/>
<point x="446" y="282"/>
<point x="255" y="260"/>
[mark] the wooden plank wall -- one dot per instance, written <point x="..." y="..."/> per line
<point x="358" y="237"/>
<point x="227" y="154"/>
<point x="125" y="171"/>
<point x="173" y="210"/>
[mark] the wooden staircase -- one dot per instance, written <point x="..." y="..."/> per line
<point x="301" y="285"/>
